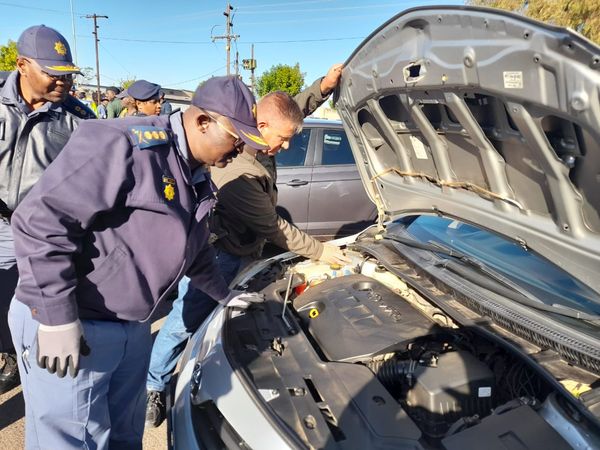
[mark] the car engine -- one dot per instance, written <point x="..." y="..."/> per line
<point x="381" y="367"/>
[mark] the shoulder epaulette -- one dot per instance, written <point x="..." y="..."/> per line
<point x="77" y="108"/>
<point x="145" y="136"/>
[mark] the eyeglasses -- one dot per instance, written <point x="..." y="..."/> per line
<point x="63" y="77"/>
<point x="239" y="142"/>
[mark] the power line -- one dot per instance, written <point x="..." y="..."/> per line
<point x="305" y="10"/>
<point x="305" y="40"/>
<point x="115" y="58"/>
<point x="14" y="5"/>
<point x="264" y="5"/>
<point x="197" y="78"/>
<point x="152" y="41"/>
<point x="338" y="19"/>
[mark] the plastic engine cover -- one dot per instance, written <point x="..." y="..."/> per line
<point x="459" y="386"/>
<point x="354" y="317"/>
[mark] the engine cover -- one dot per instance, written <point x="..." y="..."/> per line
<point x="459" y="386"/>
<point x="354" y="317"/>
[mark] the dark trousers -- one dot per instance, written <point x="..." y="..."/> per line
<point x="8" y="282"/>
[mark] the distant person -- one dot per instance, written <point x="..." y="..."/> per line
<point x="94" y="103"/>
<point x="165" y="107"/>
<point x="146" y="97"/>
<point x="82" y="96"/>
<point x="128" y="104"/>
<point x="102" y="107"/>
<point x="114" y="107"/>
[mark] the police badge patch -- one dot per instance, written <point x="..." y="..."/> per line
<point x="169" y="187"/>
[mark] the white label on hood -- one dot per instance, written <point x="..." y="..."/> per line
<point x="513" y="80"/>
<point x="484" y="392"/>
<point x="418" y="147"/>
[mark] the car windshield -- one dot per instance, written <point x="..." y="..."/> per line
<point x="535" y="274"/>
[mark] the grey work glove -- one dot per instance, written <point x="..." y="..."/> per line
<point x="59" y="347"/>
<point x="241" y="300"/>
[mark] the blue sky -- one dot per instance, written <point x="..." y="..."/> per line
<point x="169" y="42"/>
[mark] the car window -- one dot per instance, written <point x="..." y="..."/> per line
<point x="295" y="155"/>
<point x="336" y="149"/>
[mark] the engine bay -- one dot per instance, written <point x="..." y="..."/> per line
<point x="353" y="357"/>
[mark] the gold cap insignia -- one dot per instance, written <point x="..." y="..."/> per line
<point x="254" y="110"/>
<point x="60" y="48"/>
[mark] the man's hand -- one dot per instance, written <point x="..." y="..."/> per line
<point x="241" y="300"/>
<point x="332" y="79"/>
<point x="59" y="348"/>
<point x="333" y="255"/>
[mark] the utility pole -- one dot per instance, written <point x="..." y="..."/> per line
<point x="74" y="34"/>
<point x="250" y="64"/>
<point x="228" y="36"/>
<point x="237" y="63"/>
<point x="253" y="66"/>
<point x="95" y="33"/>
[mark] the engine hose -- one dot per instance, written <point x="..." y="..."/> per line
<point x="393" y="372"/>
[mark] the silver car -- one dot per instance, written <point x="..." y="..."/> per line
<point x="320" y="189"/>
<point x="469" y="316"/>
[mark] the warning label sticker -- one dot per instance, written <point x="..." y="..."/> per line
<point x="418" y="147"/>
<point x="513" y="80"/>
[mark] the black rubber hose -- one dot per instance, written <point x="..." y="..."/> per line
<point x="393" y="372"/>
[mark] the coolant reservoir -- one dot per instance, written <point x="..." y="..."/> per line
<point x="315" y="272"/>
<point x="373" y="270"/>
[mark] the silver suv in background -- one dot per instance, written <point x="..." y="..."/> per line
<point x="320" y="190"/>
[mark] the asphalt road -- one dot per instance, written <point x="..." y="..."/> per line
<point x="12" y="410"/>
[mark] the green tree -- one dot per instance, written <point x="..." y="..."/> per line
<point x="281" y="78"/>
<point x="126" y="83"/>
<point x="582" y="16"/>
<point x="8" y="56"/>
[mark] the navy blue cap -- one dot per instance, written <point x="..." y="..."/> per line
<point x="143" y="90"/>
<point x="48" y="48"/>
<point x="231" y="98"/>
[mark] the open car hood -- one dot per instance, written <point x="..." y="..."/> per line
<point x="485" y="116"/>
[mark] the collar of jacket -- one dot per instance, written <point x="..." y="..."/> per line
<point x="10" y="96"/>
<point x="248" y="158"/>
<point x="191" y="176"/>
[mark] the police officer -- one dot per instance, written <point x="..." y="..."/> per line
<point x="110" y="228"/>
<point x="146" y="96"/>
<point x="37" y="116"/>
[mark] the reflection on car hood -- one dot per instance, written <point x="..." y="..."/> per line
<point x="485" y="116"/>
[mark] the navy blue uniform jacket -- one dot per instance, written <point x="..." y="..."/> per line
<point x="113" y="224"/>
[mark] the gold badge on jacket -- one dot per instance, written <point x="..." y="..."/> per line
<point x="169" y="189"/>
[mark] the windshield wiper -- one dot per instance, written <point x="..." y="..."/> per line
<point x="478" y="273"/>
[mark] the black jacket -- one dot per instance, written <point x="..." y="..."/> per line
<point x="30" y="141"/>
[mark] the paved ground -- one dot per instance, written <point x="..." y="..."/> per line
<point x="12" y="410"/>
